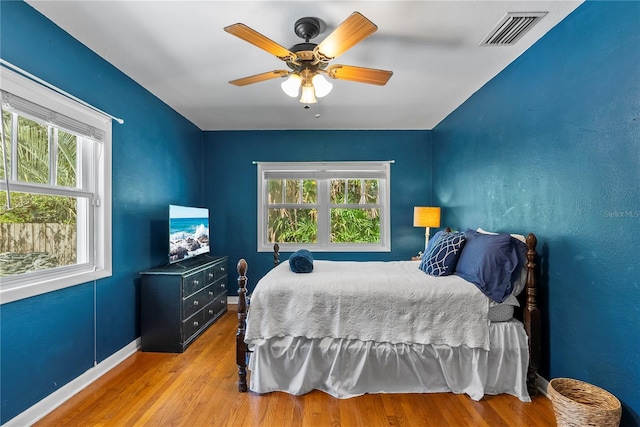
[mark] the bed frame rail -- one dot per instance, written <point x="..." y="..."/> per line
<point x="530" y="317"/>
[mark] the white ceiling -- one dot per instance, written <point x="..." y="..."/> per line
<point x="179" y="52"/>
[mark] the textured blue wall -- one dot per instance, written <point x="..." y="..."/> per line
<point x="231" y="185"/>
<point x="549" y="146"/>
<point x="48" y="340"/>
<point x="552" y="146"/>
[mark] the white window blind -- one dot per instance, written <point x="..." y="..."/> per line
<point x="14" y="103"/>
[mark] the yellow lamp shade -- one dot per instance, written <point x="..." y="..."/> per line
<point x="424" y="216"/>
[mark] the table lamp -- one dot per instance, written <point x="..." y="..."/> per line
<point x="426" y="216"/>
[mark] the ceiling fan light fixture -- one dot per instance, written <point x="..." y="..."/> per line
<point x="309" y="62"/>
<point x="308" y="94"/>
<point x="291" y="86"/>
<point x="321" y="85"/>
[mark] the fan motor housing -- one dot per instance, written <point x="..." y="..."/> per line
<point x="307" y="28"/>
<point x="301" y="47"/>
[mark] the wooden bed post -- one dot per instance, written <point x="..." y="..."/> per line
<point x="276" y="255"/>
<point x="531" y="316"/>
<point x="241" y="346"/>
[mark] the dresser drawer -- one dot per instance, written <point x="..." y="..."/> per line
<point x="220" y="304"/>
<point x="192" y="325"/>
<point x="194" y="303"/>
<point x="215" y="272"/>
<point x="216" y="308"/>
<point x="209" y="294"/>
<point x="209" y="312"/>
<point x="220" y="286"/>
<point x="192" y="283"/>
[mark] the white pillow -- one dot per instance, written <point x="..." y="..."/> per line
<point x="515" y="236"/>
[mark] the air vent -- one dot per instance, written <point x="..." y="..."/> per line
<point x="512" y="27"/>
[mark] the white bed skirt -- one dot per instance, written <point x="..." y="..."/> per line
<point x="348" y="368"/>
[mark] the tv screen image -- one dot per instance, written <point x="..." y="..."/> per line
<point x="188" y="232"/>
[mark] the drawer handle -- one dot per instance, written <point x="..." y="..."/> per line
<point x="221" y="268"/>
<point x="222" y="302"/>
<point x="195" y="302"/>
<point x="195" y="282"/>
<point x="210" y="311"/>
<point x="222" y="285"/>
<point x="196" y="324"/>
<point x="210" y="275"/>
<point x="210" y="293"/>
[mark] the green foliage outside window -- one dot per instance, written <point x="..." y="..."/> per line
<point x="293" y="225"/>
<point x="33" y="166"/>
<point x="355" y="225"/>
<point x="299" y="224"/>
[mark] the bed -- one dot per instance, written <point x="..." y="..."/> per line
<point x="350" y="328"/>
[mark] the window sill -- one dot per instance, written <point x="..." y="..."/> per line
<point x="289" y="247"/>
<point x="19" y="289"/>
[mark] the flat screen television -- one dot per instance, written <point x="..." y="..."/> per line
<point x="188" y="232"/>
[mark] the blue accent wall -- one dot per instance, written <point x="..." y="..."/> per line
<point x="231" y="184"/>
<point x="552" y="146"/>
<point x="50" y="339"/>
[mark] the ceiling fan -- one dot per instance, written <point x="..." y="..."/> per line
<point x="309" y="62"/>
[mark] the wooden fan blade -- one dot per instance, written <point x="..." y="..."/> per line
<point x="255" y="38"/>
<point x="359" y="74"/>
<point x="353" y="30"/>
<point x="259" y="77"/>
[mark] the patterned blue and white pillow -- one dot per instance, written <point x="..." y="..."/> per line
<point x="442" y="257"/>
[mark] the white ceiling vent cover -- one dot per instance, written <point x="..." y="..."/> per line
<point x="511" y="28"/>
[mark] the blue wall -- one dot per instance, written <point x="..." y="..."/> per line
<point x="48" y="340"/>
<point x="552" y="146"/>
<point x="231" y="185"/>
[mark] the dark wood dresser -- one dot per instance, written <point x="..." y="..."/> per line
<point x="179" y="301"/>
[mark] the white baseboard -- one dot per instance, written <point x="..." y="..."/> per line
<point x="542" y="385"/>
<point x="232" y="300"/>
<point x="64" y="393"/>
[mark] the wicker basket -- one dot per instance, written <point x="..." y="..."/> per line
<point x="580" y="404"/>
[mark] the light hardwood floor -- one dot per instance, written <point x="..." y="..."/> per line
<point x="198" y="388"/>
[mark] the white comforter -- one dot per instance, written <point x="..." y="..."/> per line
<point x="391" y="302"/>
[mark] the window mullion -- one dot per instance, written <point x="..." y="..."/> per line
<point x="346" y="191"/>
<point x="284" y="191"/>
<point x="324" y="213"/>
<point x="52" y="133"/>
<point x="14" y="146"/>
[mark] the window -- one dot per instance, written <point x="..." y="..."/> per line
<point x="55" y="171"/>
<point x="334" y="206"/>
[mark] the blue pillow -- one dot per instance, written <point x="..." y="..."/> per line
<point x="521" y="251"/>
<point x="301" y="261"/>
<point x="490" y="262"/>
<point x="442" y="256"/>
<point x="433" y="240"/>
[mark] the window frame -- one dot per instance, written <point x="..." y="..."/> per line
<point x="96" y="186"/>
<point x="323" y="172"/>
